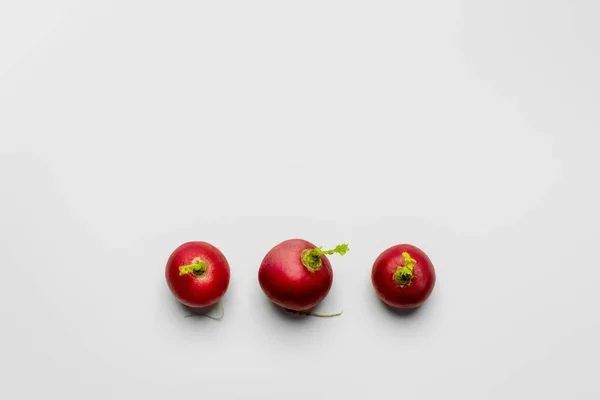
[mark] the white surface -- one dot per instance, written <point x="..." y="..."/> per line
<point x="469" y="129"/>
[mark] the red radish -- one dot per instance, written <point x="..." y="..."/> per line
<point x="297" y="275"/>
<point x="403" y="276"/>
<point x="197" y="274"/>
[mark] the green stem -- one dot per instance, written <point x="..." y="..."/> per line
<point x="197" y="267"/>
<point x="404" y="273"/>
<point x="311" y="258"/>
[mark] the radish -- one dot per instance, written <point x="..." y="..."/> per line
<point x="403" y="276"/>
<point x="297" y="275"/>
<point x="197" y="274"/>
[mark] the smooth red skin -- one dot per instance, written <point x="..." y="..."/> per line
<point x="288" y="283"/>
<point x="409" y="296"/>
<point x="193" y="290"/>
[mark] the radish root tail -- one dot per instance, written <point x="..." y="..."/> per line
<point x="313" y="314"/>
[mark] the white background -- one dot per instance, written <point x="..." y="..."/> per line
<point x="468" y="128"/>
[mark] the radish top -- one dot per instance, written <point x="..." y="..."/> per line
<point x="197" y="267"/>
<point x="404" y="273"/>
<point x="311" y="258"/>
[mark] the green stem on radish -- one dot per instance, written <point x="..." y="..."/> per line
<point x="197" y="267"/>
<point x="404" y="273"/>
<point x="311" y="258"/>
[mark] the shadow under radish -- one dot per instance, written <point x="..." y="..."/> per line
<point x="214" y="312"/>
<point x="286" y="315"/>
<point x="400" y="312"/>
